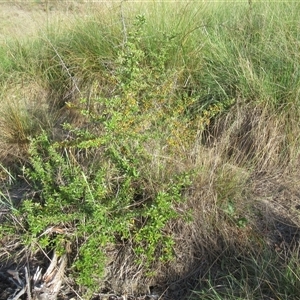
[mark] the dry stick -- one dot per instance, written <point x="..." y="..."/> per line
<point x="37" y="275"/>
<point x="73" y="290"/>
<point x="51" y="268"/>
<point x="19" y="284"/>
<point x="16" y="276"/>
<point x="16" y="297"/>
<point x="27" y="278"/>
<point x="27" y="283"/>
<point x="123" y="23"/>
<point x="64" y="65"/>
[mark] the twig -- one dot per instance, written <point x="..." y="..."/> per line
<point x="52" y="279"/>
<point x="48" y="276"/>
<point x="27" y="277"/>
<point x="15" y="275"/>
<point x="123" y="23"/>
<point x="17" y="296"/>
<point x="37" y="275"/>
<point x="64" y="65"/>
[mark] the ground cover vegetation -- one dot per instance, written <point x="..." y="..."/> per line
<point x="156" y="145"/>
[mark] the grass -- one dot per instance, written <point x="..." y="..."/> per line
<point x="165" y="137"/>
<point x="254" y="278"/>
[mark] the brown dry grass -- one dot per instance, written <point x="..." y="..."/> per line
<point x="244" y="165"/>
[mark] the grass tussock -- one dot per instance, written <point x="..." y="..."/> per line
<point x="158" y="144"/>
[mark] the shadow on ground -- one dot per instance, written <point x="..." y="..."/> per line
<point x="262" y="268"/>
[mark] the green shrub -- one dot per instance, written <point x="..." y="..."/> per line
<point x="103" y="199"/>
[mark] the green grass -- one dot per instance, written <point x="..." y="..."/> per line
<point x="159" y="130"/>
<point x="256" y="277"/>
